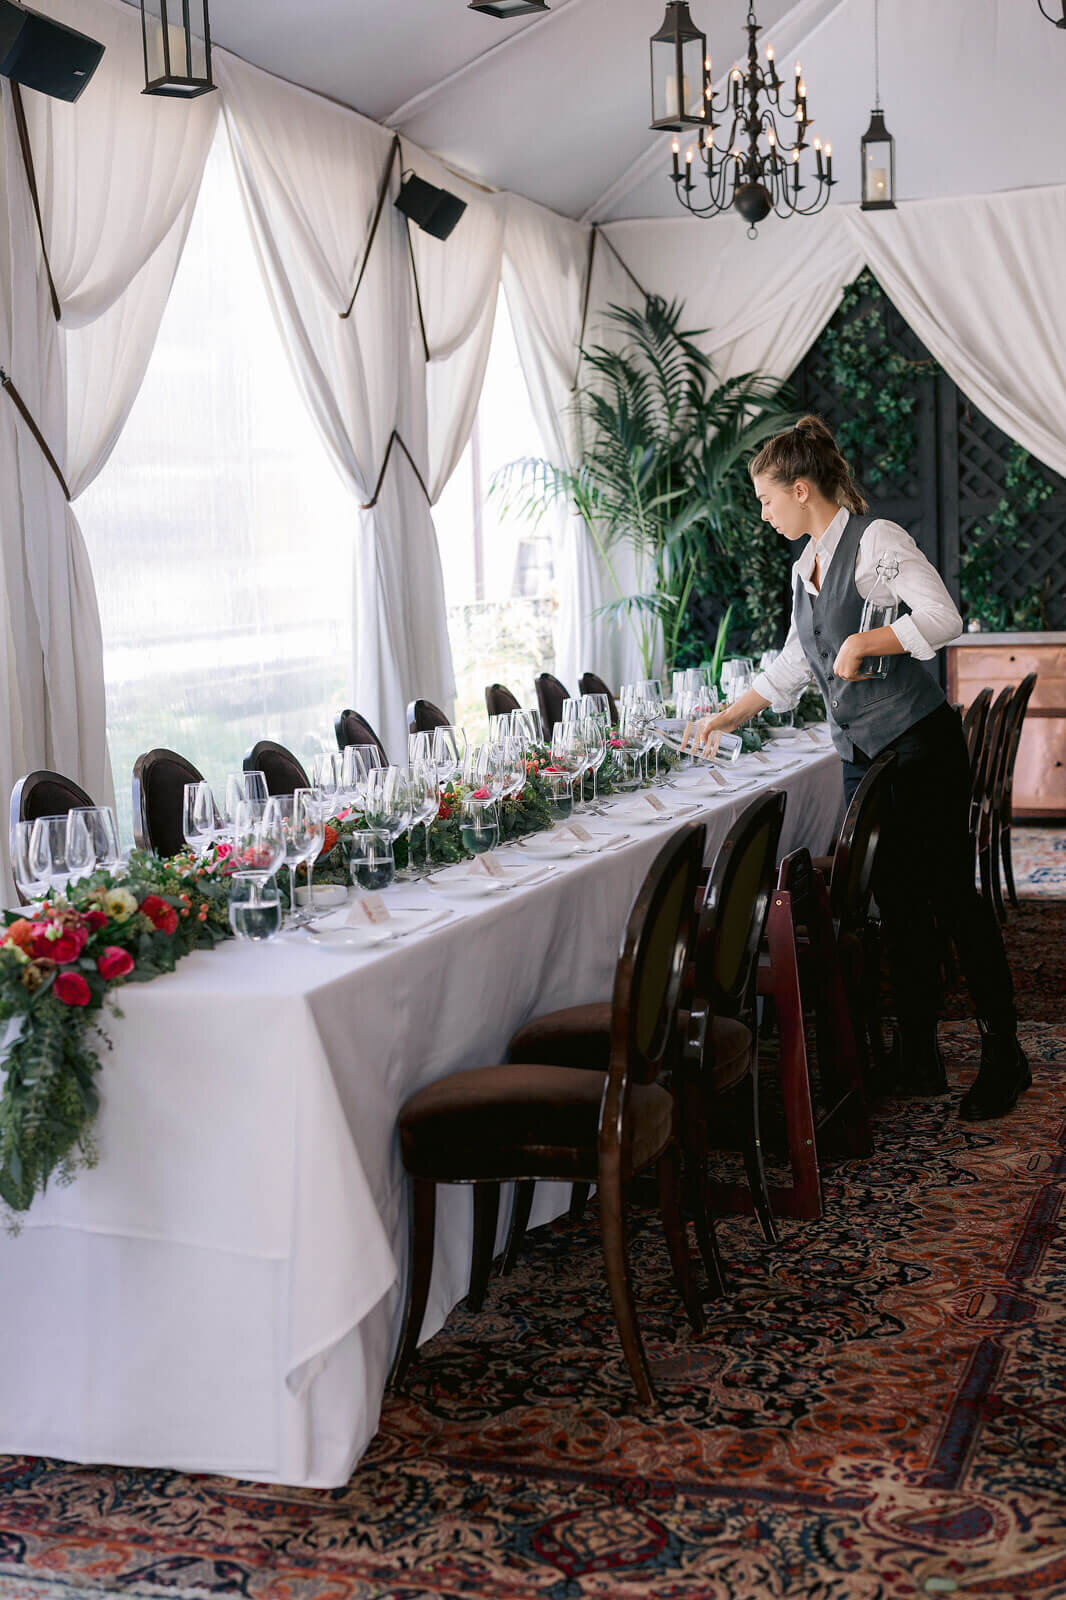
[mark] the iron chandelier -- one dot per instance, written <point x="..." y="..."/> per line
<point x="756" y="171"/>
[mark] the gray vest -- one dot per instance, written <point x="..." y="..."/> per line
<point x="869" y="714"/>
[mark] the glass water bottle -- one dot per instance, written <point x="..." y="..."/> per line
<point x="879" y="611"/>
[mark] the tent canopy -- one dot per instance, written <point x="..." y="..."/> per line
<point x="556" y="106"/>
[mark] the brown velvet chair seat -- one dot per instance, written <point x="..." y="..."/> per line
<point x="580" y="1036"/>
<point x="507" y="1121"/>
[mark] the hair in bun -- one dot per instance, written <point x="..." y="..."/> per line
<point x="809" y="451"/>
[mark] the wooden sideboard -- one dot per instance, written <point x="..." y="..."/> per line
<point x="999" y="659"/>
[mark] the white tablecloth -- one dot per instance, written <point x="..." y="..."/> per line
<point x="222" y="1293"/>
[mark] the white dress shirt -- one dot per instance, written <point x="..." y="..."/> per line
<point x="933" y="621"/>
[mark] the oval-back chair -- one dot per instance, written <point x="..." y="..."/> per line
<point x="159" y="779"/>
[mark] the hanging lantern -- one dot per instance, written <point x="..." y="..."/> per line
<point x="177" y="48"/>
<point x="506" y="9"/>
<point x="878" y="165"/>
<point x="680" y="71"/>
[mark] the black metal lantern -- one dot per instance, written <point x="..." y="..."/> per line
<point x="680" y="71"/>
<point x="177" y="48"/>
<point x="1060" y="22"/>
<point x="878" y="165"/>
<point x="508" y="8"/>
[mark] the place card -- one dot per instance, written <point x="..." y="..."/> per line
<point x="489" y="865"/>
<point x="815" y="738"/>
<point x="367" y="908"/>
<point x="757" y="755"/>
<point x="578" y="831"/>
<point x="655" y="803"/>
<point x="718" y="779"/>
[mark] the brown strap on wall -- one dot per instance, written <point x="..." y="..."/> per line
<point x="394" y="438"/>
<point x="394" y="150"/>
<point x="593" y="236"/>
<point x="31" y="179"/>
<point x="23" y="411"/>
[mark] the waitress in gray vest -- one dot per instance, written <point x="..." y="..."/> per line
<point x="925" y="874"/>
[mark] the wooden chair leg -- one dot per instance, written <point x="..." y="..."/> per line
<point x="985" y="866"/>
<point x="423" y="1219"/>
<point x="523" y="1205"/>
<point x="997" y="886"/>
<point x="486" y="1217"/>
<point x="752" y="1149"/>
<point x="619" y="1282"/>
<point x="804" y="1197"/>
<point x="694" y="1188"/>
<point x="668" y="1172"/>
<point x="579" y="1199"/>
<point x="1008" y="866"/>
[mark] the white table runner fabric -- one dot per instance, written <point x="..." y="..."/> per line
<point x="222" y="1293"/>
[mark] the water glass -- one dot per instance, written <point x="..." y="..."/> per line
<point x="103" y="835"/>
<point x="628" y="773"/>
<point x="479" y="825"/>
<point x="30" y="886"/>
<point x="372" y="864"/>
<point x="199" y="817"/>
<point x="254" y="906"/>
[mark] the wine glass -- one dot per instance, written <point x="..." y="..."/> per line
<point x="479" y="825"/>
<point x="596" y="705"/>
<point x="594" y="733"/>
<point x="387" y="805"/>
<point x="103" y="835"/>
<point x="199" y="818"/>
<point x="420" y="745"/>
<point x="526" y="726"/>
<point x="254" y="906"/>
<point x="30" y="886"/>
<point x="326" y="773"/>
<point x="372" y="863"/>
<point x="258" y="838"/>
<point x="356" y="762"/>
<point x="303" y="832"/>
<point x="424" y="790"/>
<point x="449" y="753"/>
<point x="244" y="786"/>
<point x="568" y="751"/>
<point x="60" y="850"/>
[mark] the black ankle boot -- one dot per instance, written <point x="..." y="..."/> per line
<point x="918" y="1065"/>
<point x="1001" y="1077"/>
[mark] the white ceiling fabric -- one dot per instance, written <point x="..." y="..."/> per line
<point x="556" y="107"/>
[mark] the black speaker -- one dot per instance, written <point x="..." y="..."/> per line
<point x="436" y="211"/>
<point x="45" y="55"/>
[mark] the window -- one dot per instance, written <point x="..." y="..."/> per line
<point x="497" y="565"/>
<point x="220" y="531"/>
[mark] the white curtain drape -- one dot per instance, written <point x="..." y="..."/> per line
<point x="545" y="275"/>
<point x="310" y="173"/>
<point x="117" y="178"/>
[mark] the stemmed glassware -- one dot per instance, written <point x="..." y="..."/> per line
<point x="423" y="789"/>
<point x="103" y="837"/>
<point x="737" y="674"/>
<point x="526" y="726"/>
<point x="387" y="803"/>
<point x="258" y="839"/>
<point x="200" y="824"/>
<point x="569" y="754"/>
<point x="60" y="850"/>
<point x="243" y="786"/>
<point x="32" y="881"/>
<point x="479" y="825"/>
<point x="449" y="753"/>
<point x="303" y="832"/>
<point x="594" y="734"/>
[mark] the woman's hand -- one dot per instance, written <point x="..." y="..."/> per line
<point x="706" y="733"/>
<point x="850" y="657"/>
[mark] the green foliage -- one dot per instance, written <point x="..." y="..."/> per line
<point x="980" y="572"/>
<point x="663" y="472"/>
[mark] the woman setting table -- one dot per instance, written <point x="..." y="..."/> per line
<point x="878" y="697"/>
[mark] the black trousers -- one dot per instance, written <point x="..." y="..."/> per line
<point x="924" y="877"/>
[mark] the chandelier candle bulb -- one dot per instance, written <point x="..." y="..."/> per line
<point x="818" y="156"/>
<point x="829" y="163"/>
<point x="676" y="151"/>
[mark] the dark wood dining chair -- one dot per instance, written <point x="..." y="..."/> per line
<point x="499" y="701"/>
<point x="351" y="728"/>
<point x="851" y="893"/>
<point x="799" y="973"/>
<point x="159" y="779"/>
<point x="492" y="1125"/>
<point x="423" y="716"/>
<point x="589" y="683"/>
<point x="45" y="794"/>
<point x="1003" y="795"/>
<point x="283" y="773"/>
<point x="550" y="696"/>
<point x="973" y="723"/>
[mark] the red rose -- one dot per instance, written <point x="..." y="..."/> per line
<point x="162" y="917"/>
<point x="72" y="989"/>
<point x="62" y="950"/>
<point x="96" y="920"/>
<point x="114" y="963"/>
<point x="329" y="840"/>
<point x="481" y="794"/>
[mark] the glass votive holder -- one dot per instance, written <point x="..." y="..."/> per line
<point x="254" y="906"/>
<point x="628" y="775"/>
<point x="372" y="861"/>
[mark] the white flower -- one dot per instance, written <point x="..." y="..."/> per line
<point x="120" y="904"/>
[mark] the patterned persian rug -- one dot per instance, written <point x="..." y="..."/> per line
<point x="1039" y="858"/>
<point x="876" y="1411"/>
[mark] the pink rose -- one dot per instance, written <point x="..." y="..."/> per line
<point x="72" y="989"/>
<point x="114" y="963"/>
<point x="95" y="920"/>
<point x="481" y="794"/>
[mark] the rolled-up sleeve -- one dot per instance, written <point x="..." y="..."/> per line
<point x="783" y="682"/>
<point x="934" y="618"/>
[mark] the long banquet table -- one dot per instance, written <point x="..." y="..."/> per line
<point x="222" y="1292"/>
